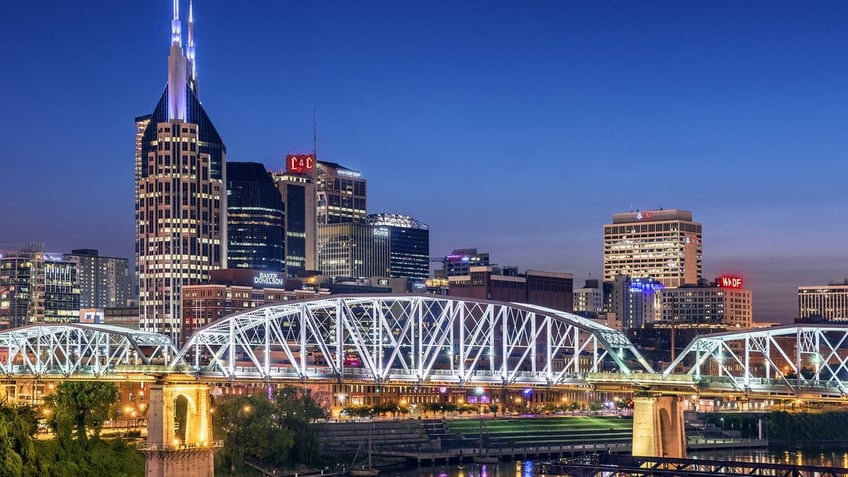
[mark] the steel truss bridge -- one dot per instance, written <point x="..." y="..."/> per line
<point x="434" y="340"/>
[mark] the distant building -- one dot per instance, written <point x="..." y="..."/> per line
<point x="590" y="298"/>
<point x="460" y="261"/>
<point x="823" y="303"/>
<point x="548" y="289"/>
<point x="661" y="244"/>
<point x="103" y="281"/>
<point x="297" y="190"/>
<point x="409" y="245"/>
<point x="37" y="287"/>
<point x="231" y="291"/>
<point x="342" y="194"/>
<point x="634" y="301"/>
<point x="255" y="219"/>
<point x="354" y="250"/>
<point x="722" y="303"/>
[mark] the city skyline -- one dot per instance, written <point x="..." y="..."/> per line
<point x="571" y="112"/>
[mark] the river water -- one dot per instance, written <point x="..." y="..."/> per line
<point x="829" y="458"/>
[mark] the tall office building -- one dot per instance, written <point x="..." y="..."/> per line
<point x="37" y="287"/>
<point x="104" y="282"/>
<point x="181" y="204"/>
<point x="661" y="244"/>
<point x="297" y="190"/>
<point x="589" y="299"/>
<point x="722" y="303"/>
<point x="828" y="303"/>
<point x="341" y="194"/>
<point x="353" y="249"/>
<point x="409" y="245"/>
<point x="460" y="261"/>
<point x="255" y="219"/>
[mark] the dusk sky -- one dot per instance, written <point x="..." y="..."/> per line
<point x="518" y="128"/>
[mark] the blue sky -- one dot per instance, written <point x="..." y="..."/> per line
<point x="518" y="128"/>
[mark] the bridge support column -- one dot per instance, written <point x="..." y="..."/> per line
<point x="179" y="431"/>
<point x="658" y="426"/>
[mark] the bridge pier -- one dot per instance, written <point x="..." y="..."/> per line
<point x="173" y="449"/>
<point x="658" y="426"/>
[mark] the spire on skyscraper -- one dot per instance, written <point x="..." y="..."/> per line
<point x="190" y="48"/>
<point x="176" y="28"/>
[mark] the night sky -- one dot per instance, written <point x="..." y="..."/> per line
<point x="518" y="128"/>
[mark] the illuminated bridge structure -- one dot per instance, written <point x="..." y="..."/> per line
<point x="428" y="340"/>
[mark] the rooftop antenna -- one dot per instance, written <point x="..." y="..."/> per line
<point x="314" y="134"/>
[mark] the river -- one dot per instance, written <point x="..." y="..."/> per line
<point x="830" y="458"/>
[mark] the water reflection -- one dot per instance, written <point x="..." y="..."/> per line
<point x="826" y="458"/>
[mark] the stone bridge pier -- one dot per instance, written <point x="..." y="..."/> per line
<point x="658" y="426"/>
<point x="179" y="430"/>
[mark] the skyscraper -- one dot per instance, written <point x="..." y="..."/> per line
<point x="181" y="203"/>
<point x="255" y="219"/>
<point x="297" y="190"/>
<point x="341" y="194"/>
<point x="409" y="245"/>
<point x="353" y="250"/>
<point x="661" y="244"/>
<point x="104" y="281"/>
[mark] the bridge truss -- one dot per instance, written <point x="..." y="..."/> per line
<point x="409" y="338"/>
<point x="801" y="358"/>
<point x="60" y="351"/>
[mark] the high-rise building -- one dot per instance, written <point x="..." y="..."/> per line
<point x="180" y="193"/>
<point x="722" y="303"/>
<point x="37" y="287"/>
<point x="297" y="190"/>
<point x="353" y="249"/>
<point x="409" y="245"/>
<point x="661" y="244"/>
<point x="549" y="289"/>
<point x="104" y="282"/>
<point x="828" y="303"/>
<point x="255" y="219"/>
<point x="460" y="261"/>
<point x="341" y="194"/>
<point x="589" y="299"/>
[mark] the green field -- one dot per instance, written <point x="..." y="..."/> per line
<point x="544" y="431"/>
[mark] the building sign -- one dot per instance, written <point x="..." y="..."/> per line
<point x="728" y="281"/>
<point x="644" y="216"/>
<point x="299" y="163"/>
<point x="383" y="282"/>
<point x="268" y="278"/>
<point x="381" y="232"/>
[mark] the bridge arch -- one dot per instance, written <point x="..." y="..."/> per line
<point x="409" y="338"/>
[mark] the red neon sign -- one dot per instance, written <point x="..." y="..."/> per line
<point x="299" y="163"/>
<point x="729" y="281"/>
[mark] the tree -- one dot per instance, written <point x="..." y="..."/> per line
<point x="250" y="431"/>
<point x="80" y="407"/>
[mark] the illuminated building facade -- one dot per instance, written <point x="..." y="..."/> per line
<point x="662" y="244"/>
<point x="341" y="193"/>
<point x="103" y="281"/>
<point x="589" y="299"/>
<point x="255" y="219"/>
<point x="409" y="245"/>
<point x="548" y="289"/>
<point x="827" y="303"/>
<point x="722" y="303"/>
<point x="353" y="249"/>
<point x="233" y="290"/>
<point x="37" y="287"/>
<point x="180" y="194"/>
<point x="460" y="261"/>
<point x="297" y="191"/>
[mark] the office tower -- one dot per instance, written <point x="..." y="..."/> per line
<point x="37" y="287"/>
<point x="353" y="250"/>
<point x="549" y="289"/>
<point x="661" y="244"/>
<point x="460" y="261"/>
<point x="255" y="219"/>
<point x="589" y="299"/>
<point x="724" y="303"/>
<point x="104" y="282"/>
<point x="827" y="303"/>
<point x="297" y="190"/>
<point x="181" y="203"/>
<point x="341" y="194"/>
<point x="409" y="245"/>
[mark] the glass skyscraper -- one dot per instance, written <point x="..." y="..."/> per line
<point x="409" y="245"/>
<point x="181" y="202"/>
<point x="255" y="219"/>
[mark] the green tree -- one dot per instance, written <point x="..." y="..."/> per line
<point x="80" y="407"/>
<point x="250" y="431"/>
<point x="297" y="411"/>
